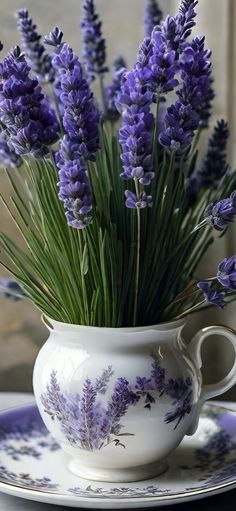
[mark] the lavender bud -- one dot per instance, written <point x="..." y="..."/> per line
<point x="226" y="274"/>
<point x="36" y="55"/>
<point x="212" y="295"/>
<point x="54" y="38"/>
<point x="220" y="214"/>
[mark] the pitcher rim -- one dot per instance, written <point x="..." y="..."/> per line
<point x="55" y="326"/>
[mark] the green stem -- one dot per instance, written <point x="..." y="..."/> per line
<point x="202" y="224"/>
<point x="102" y="89"/>
<point x="154" y="140"/>
<point x="138" y="246"/>
<point x="192" y="309"/>
<point x="195" y="142"/>
<point x="182" y="299"/>
<point x="84" y="291"/>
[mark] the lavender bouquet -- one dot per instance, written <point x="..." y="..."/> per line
<point x="113" y="202"/>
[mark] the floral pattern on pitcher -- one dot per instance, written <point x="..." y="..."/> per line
<point x="90" y="424"/>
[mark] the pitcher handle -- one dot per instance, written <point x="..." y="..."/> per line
<point x="215" y="389"/>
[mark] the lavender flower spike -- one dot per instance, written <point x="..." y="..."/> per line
<point x="212" y="295"/>
<point x="226" y="274"/>
<point x="220" y="214"/>
<point x="75" y="191"/>
<point x="185" y="19"/>
<point x="136" y="134"/>
<point x="94" y="45"/>
<point x="36" y="55"/>
<point x="183" y="118"/>
<point x="153" y="16"/>
<point x="81" y="116"/>
<point x="159" y="55"/>
<point x="24" y="111"/>
<point x="81" y="141"/>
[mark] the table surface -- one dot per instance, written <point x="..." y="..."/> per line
<point x="223" y="502"/>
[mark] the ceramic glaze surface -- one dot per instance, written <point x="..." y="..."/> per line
<point x="109" y="395"/>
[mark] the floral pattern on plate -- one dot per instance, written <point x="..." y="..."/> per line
<point x="31" y="460"/>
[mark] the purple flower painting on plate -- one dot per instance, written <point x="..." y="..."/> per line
<point x="90" y="423"/>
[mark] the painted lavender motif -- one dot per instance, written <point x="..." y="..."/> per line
<point x="125" y="491"/>
<point x="27" y="481"/>
<point x="16" y="440"/>
<point x="90" y="424"/>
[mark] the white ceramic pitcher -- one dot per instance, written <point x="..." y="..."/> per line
<point x="119" y="400"/>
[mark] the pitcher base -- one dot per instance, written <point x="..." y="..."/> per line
<point x="122" y="475"/>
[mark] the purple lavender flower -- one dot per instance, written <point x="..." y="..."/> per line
<point x="221" y="213"/>
<point x="54" y="39"/>
<point x="177" y="29"/>
<point x="212" y="295"/>
<point x="134" y="202"/>
<point x="183" y="118"/>
<point x="14" y="64"/>
<point x="81" y="141"/>
<point x="214" y="166"/>
<point x="180" y="124"/>
<point x="226" y="274"/>
<point x="158" y="56"/>
<point x="153" y="16"/>
<point x="196" y="71"/>
<point x="185" y="20"/>
<point x="24" y="111"/>
<point x="136" y="133"/>
<point x="11" y="289"/>
<point x="8" y="156"/>
<point x="153" y="76"/>
<point x="111" y="91"/>
<point x="94" y="45"/>
<point x="163" y="65"/>
<point x="36" y="55"/>
<point x="81" y="116"/>
<point x="75" y="191"/>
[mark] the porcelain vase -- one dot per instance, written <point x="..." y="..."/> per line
<point x="120" y="400"/>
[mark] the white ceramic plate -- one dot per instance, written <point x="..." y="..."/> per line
<point x="34" y="467"/>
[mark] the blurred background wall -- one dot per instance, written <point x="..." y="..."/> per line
<point x="21" y="331"/>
